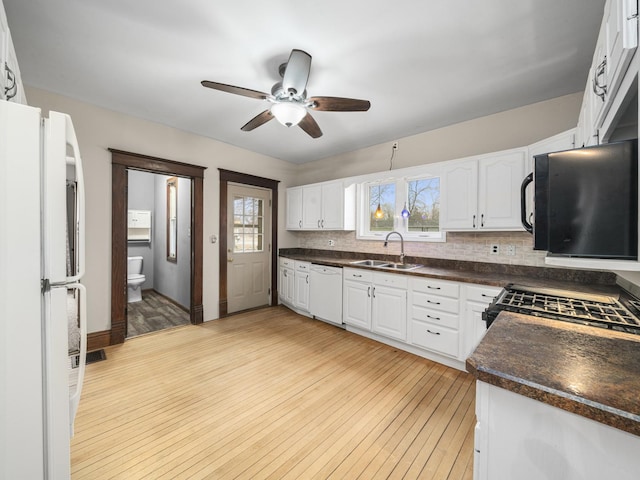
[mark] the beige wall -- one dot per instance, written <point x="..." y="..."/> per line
<point x="514" y="128"/>
<point x="99" y="129"/>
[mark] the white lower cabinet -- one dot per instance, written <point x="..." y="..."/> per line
<point x="478" y="298"/>
<point x="356" y="297"/>
<point x="437" y="319"/>
<point x="376" y="302"/>
<point x="389" y="305"/>
<point x="433" y="319"/>
<point x="294" y="284"/>
<point x="301" y="289"/>
<point x="518" y="437"/>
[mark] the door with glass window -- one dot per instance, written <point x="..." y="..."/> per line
<point x="248" y="248"/>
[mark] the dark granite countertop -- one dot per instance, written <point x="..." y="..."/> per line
<point x="493" y="274"/>
<point x="585" y="370"/>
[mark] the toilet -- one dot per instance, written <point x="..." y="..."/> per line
<point x="135" y="279"/>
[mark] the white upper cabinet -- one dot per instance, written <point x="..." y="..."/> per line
<point x="294" y="208"/>
<point x="616" y="46"/>
<point x="4" y="40"/>
<point x="483" y="193"/>
<point x="11" y="87"/>
<point x="321" y="206"/>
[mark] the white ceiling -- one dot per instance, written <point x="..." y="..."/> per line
<point x="422" y="64"/>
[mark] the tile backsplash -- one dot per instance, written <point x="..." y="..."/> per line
<point x="469" y="246"/>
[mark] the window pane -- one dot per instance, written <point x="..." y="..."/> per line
<point x="383" y="195"/>
<point x="248" y="224"/>
<point x="423" y="204"/>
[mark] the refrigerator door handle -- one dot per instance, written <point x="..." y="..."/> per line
<point x="74" y="397"/>
<point x="72" y="141"/>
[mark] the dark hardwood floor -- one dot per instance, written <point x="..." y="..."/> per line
<point x="155" y="312"/>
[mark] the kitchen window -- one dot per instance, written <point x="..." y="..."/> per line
<point x="382" y="202"/>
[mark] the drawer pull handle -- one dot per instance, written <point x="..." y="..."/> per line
<point x="487" y="296"/>
<point x="433" y="318"/>
<point x="433" y="288"/>
<point x="434" y="303"/>
<point x="433" y="333"/>
<point x="357" y="276"/>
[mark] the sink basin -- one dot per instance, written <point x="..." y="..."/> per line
<point x="401" y="266"/>
<point x="370" y="263"/>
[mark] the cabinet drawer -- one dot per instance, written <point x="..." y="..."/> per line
<point x="431" y="337"/>
<point x="435" y="287"/>
<point x="390" y="280"/>
<point x="443" y="319"/>
<point x="287" y="262"/>
<point x="436" y="302"/>
<point x="302" y="266"/>
<point x="357" y="274"/>
<point x="483" y="294"/>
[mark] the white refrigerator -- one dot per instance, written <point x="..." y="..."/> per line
<point x="42" y="302"/>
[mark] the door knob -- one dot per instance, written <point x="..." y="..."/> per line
<point x="230" y="259"/>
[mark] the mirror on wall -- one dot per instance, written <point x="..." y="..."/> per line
<point x="172" y="219"/>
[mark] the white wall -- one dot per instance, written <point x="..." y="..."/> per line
<point x="99" y="129"/>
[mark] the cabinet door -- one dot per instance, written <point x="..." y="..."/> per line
<point x="282" y="284"/>
<point x="332" y="206"/>
<point x="4" y="39"/>
<point x="302" y="290"/>
<point x="499" y="191"/>
<point x="459" y="192"/>
<point x="294" y="208"/>
<point x="389" y="312"/>
<point x="291" y="286"/>
<point x="475" y="326"/>
<point x="620" y="26"/>
<point x="311" y="207"/>
<point x="356" y="304"/>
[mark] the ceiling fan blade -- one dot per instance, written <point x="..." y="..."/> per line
<point x="296" y="75"/>
<point x="245" y="92"/>
<point x="337" y="104"/>
<point x="258" y="120"/>
<point x="309" y="125"/>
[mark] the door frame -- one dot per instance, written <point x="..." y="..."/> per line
<point x="227" y="176"/>
<point x="122" y="161"/>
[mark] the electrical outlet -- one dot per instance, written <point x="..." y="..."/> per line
<point x="494" y="249"/>
<point x="510" y="250"/>
<point x="332" y="243"/>
<point x="396" y="145"/>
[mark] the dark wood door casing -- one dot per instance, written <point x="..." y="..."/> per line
<point x="121" y="161"/>
<point x="227" y="176"/>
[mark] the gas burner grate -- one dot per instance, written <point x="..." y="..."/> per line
<point x="594" y="310"/>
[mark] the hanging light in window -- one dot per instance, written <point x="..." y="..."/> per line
<point x="405" y="213"/>
<point x="378" y="213"/>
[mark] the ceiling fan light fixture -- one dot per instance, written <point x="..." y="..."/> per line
<point x="288" y="113"/>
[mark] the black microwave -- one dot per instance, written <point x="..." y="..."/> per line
<point x="585" y="202"/>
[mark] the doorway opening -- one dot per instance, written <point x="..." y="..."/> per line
<point x="122" y="164"/>
<point x="158" y="252"/>
<point x="238" y="231"/>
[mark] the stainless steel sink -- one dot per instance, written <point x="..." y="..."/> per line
<point x="385" y="265"/>
<point x="401" y="266"/>
<point x="370" y="263"/>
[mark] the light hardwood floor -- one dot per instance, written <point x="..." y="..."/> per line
<point x="271" y="394"/>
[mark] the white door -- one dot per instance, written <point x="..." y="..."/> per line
<point x="356" y="306"/>
<point x="389" y="312"/>
<point x="332" y="206"/>
<point x="294" y="208"/>
<point x="311" y="207"/>
<point x="248" y="247"/>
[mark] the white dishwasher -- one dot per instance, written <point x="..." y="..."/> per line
<point x="325" y="302"/>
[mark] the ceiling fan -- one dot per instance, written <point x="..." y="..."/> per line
<point x="290" y="104"/>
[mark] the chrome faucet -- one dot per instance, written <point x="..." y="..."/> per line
<point x="386" y="242"/>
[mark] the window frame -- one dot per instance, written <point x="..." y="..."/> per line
<point x="400" y="224"/>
